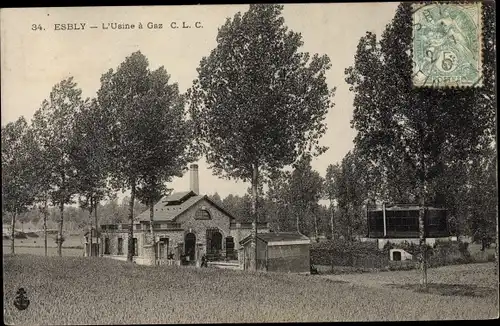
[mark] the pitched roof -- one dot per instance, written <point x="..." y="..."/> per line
<point x="277" y="237"/>
<point x="169" y="208"/>
<point x="178" y="196"/>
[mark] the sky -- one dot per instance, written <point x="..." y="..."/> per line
<point x="36" y="54"/>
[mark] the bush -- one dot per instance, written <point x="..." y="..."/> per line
<point x="348" y="253"/>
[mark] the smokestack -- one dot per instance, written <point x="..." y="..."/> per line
<point x="193" y="179"/>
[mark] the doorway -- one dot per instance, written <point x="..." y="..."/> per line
<point x="214" y="244"/>
<point x="190" y="246"/>
<point x="163" y="248"/>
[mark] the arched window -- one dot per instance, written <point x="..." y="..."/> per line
<point x="202" y="214"/>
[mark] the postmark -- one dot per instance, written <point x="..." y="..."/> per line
<point x="447" y="45"/>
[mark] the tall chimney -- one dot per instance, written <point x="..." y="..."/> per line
<point x="193" y="179"/>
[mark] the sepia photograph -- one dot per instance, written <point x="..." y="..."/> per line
<point x="258" y="163"/>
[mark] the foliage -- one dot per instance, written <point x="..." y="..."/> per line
<point x="18" y="175"/>
<point x="347" y="184"/>
<point x="90" y="156"/>
<point x="216" y="198"/>
<point x="348" y="253"/>
<point x="18" y="178"/>
<point x="148" y="133"/>
<point x="420" y="129"/>
<point x="258" y="103"/>
<point x="165" y="135"/>
<point x="305" y="190"/>
<point x="292" y="200"/>
<point x="53" y="127"/>
<point x="239" y="206"/>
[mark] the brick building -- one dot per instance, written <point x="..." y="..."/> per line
<point x="186" y="226"/>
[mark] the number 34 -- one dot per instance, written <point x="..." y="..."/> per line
<point x="36" y="27"/>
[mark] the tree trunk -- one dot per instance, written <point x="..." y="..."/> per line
<point x="60" y="234"/>
<point x="151" y="229"/>
<point x="151" y="216"/>
<point x="90" y="234"/>
<point x="96" y="226"/>
<point x="422" y="242"/>
<point x="332" y="216"/>
<point x="255" y="179"/>
<point x="316" y="226"/>
<point x="131" y="249"/>
<point x="45" y="212"/>
<point x="297" y="218"/>
<point x="13" y="232"/>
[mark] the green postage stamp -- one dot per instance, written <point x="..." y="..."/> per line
<point x="447" y="45"/>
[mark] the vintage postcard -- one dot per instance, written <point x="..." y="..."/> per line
<point x="250" y="163"/>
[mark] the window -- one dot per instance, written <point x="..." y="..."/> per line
<point x="106" y="246"/>
<point x="202" y="214"/>
<point x="120" y="246"/>
<point x="136" y="247"/>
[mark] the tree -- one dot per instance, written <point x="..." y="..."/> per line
<point x="306" y="189"/>
<point x="148" y="132"/>
<point x="18" y="186"/>
<point x="53" y="125"/>
<point x="483" y="199"/>
<point x="165" y="134"/>
<point x="331" y="178"/>
<point x="278" y="193"/>
<point x="90" y="157"/>
<point x="347" y="186"/>
<point x="425" y="127"/>
<point x="42" y="181"/>
<point x="216" y="199"/>
<point x="258" y="103"/>
<point x="238" y="206"/>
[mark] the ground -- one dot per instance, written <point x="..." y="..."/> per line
<point x="72" y="246"/>
<point x="465" y="280"/>
<point x="79" y="290"/>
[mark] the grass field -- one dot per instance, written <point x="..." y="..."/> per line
<point x="70" y="241"/>
<point x="34" y="246"/>
<point x="78" y="290"/>
<point x="40" y="251"/>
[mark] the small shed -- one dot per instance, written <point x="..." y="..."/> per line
<point x="278" y="252"/>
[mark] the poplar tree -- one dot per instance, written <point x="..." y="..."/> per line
<point x="258" y="102"/>
<point x="427" y="128"/>
<point x="53" y="126"/>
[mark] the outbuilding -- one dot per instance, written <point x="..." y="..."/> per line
<point x="278" y="252"/>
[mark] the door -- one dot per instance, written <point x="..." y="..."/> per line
<point x="190" y="246"/>
<point x="163" y="248"/>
